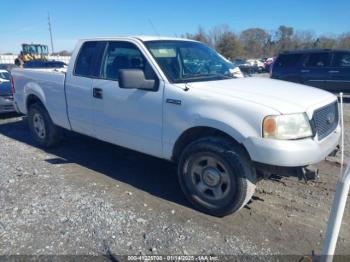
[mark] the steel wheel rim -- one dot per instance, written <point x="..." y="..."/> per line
<point x="39" y="125"/>
<point x="209" y="177"/>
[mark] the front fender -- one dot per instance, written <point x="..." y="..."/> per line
<point x="226" y="121"/>
<point x="232" y="125"/>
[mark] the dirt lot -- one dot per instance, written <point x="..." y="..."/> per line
<point x="89" y="197"/>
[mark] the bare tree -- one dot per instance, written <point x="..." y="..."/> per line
<point x="257" y="42"/>
<point x="303" y="39"/>
<point x="216" y="32"/>
<point x="200" y="36"/>
<point x="254" y="41"/>
<point x="325" y="42"/>
<point x="227" y="44"/>
<point x="344" y="41"/>
<point x="284" y="37"/>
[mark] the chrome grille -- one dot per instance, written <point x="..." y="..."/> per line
<point x="326" y="120"/>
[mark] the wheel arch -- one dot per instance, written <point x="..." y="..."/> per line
<point x="32" y="99"/>
<point x="198" y="132"/>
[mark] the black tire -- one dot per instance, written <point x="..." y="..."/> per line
<point x="233" y="165"/>
<point x="51" y="134"/>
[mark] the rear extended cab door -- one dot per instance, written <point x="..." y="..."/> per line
<point x="78" y="86"/>
<point x="339" y="74"/>
<point x="315" y="70"/>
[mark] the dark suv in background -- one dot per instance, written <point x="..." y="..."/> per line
<point x="323" y="68"/>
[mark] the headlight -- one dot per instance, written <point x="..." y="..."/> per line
<point x="286" y="127"/>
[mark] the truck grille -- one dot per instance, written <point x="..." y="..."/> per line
<point x="326" y="120"/>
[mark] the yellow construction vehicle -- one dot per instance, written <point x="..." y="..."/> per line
<point x="32" y="52"/>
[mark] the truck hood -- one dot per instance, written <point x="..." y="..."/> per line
<point x="284" y="97"/>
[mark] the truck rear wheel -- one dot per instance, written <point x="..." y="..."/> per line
<point x="216" y="176"/>
<point x="44" y="131"/>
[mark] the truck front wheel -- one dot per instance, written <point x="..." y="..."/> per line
<point x="216" y="176"/>
<point x="44" y="131"/>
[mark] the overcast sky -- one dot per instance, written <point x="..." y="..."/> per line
<point x="23" y="21"/>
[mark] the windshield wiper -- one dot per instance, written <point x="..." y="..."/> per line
<point x="196" y="76"/>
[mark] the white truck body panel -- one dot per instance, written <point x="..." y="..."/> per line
<point x="48" y="86"/>
<point x="128" y="117"/>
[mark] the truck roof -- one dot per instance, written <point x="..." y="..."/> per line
<point x="141" y="37"/>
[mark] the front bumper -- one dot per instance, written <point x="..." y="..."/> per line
<point x="6" y="104"/>
<point x="291" y="153"/>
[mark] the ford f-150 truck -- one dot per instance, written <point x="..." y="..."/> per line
<point x="176" y="99"/>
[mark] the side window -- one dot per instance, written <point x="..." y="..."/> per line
<point x="84" y="63"/>
<point x="341" y="60"/>
<point x="124" y="55"/>
<point x="288" y="60"/>
<point x="318" y="60"/>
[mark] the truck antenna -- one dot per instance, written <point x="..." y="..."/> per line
<point x="153" y="27"/>
<point x="50" y="30"/>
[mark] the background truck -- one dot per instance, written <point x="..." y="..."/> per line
<point x="176" y="99"/>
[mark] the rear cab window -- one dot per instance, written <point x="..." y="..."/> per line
<point x="89" y="59"/>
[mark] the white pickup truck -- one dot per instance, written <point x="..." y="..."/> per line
<point x="176" y="99"/>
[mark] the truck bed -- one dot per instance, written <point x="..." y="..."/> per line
<point x="48" y="85"/>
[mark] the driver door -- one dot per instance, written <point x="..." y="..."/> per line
<point x="130" y="118"/>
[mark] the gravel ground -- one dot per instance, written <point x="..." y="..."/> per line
<point x="90" y="197"/>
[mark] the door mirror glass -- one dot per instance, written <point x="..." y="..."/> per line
<point x="135" y="79"/>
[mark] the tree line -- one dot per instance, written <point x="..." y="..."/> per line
<point x="258" y="42"/>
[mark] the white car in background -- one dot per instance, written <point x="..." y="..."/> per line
<point x="256" y="63"/>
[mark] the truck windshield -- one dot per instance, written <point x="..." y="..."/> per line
<point x="186" y="61"/>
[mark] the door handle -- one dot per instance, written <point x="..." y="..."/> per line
<point x="97" y="93"/>
<point x="305" y="71"/>
<point x="333" y="72"/>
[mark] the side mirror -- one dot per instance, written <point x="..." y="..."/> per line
<point x="135" y="79"/>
